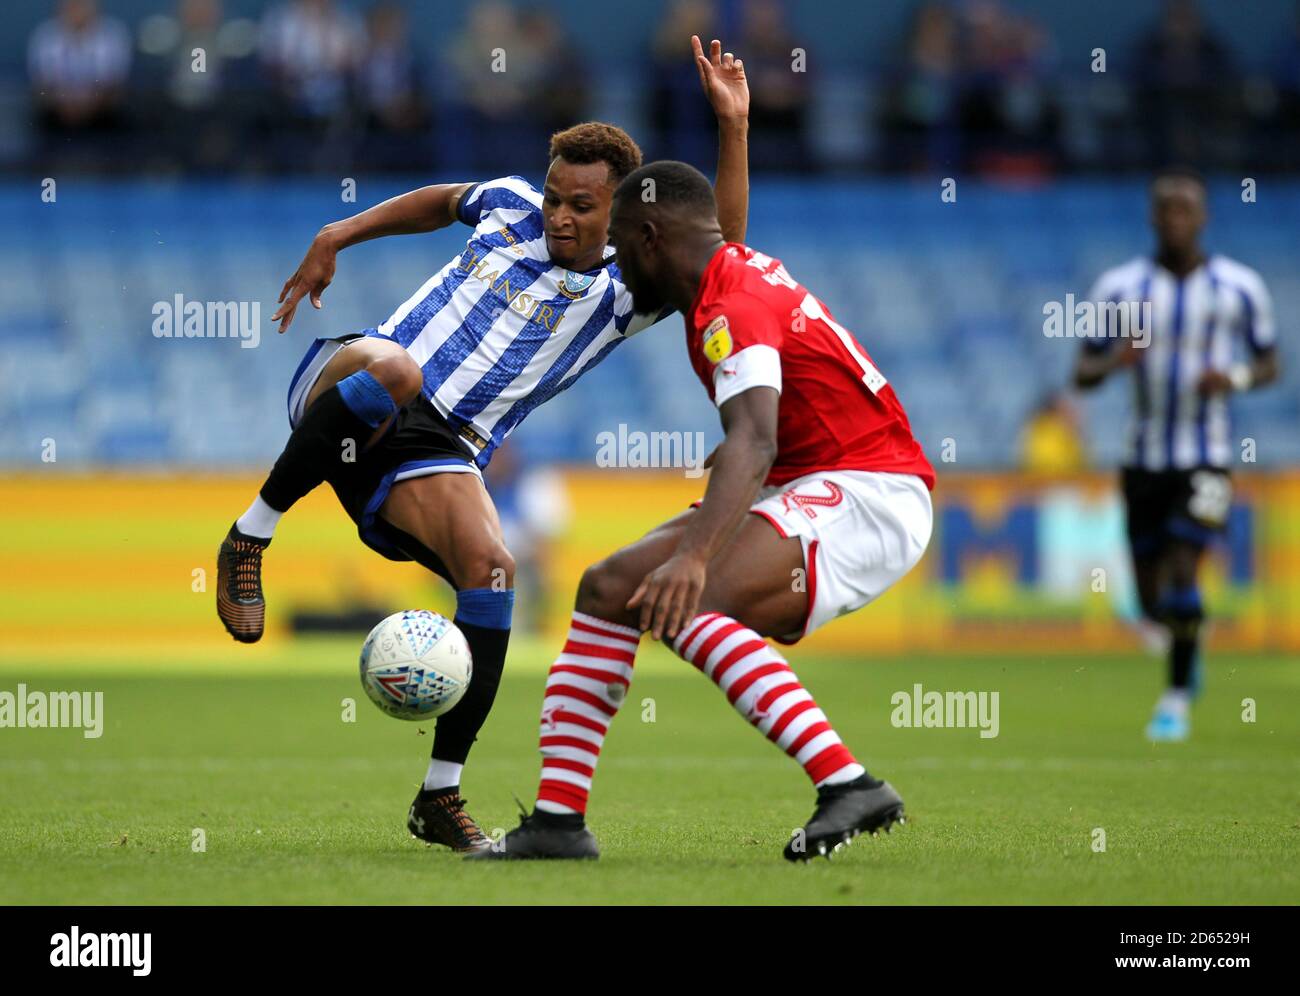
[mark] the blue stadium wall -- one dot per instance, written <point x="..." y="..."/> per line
<point x="947" y="297"/>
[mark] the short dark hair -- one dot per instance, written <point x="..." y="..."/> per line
<point x="595" y="142"/>
<point x="673" y="183"/>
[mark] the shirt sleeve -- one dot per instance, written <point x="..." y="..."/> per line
<point x="1257" y="316"/>
<point x="753" y="366"/>
<point x="493" y="204"/>
<point x="742" y="340"/>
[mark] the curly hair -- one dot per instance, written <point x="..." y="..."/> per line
<point x="595" y="142"/>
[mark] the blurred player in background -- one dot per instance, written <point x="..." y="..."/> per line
<point x="401" y="419"/>
<point x="1206" y="312"/>
<point x="533" y="506"/>
<point x="818" y="502"/>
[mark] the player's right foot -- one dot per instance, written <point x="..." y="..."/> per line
<point x="542" y="835"/>
<point x="437" y="816"/>
<point x="1170" y="722"/>
<point x="239" y="585"/>
<point x="844" y="811"/>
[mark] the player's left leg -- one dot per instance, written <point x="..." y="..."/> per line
<point x="1197" y="512"/>
<point x="585" y="688"/>
<point x="766" y="587"/>
<point x="448" y="521"/>
<point x="828" y="544"/>
<point x="341" y="400"/>
<point x="1183" y="613"/>
<point x="1146" y="503"/>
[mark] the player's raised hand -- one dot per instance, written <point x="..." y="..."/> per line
<point x="723" y="77"/>
<point x="669" y="597"/>
<point x="313" y="275"/>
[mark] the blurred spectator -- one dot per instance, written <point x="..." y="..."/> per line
<point x="683" y="122"/>
<point x="1008" y="114"/>
<point x="919" y="114"/>
<point x="197" y="25"/>
<point x="190" y="66"/>
<point x="974" y="91"/>
<point x="976" y="87"/>
<point x="496" y="78"/>
<point x="1052" y="442"/>
<point x="391" y="93"/>
<point x="553" y="71"/>
<point x="778" y="96"/>
<point x="1186" y="90"/>
<point x="79" y="63"/>
<point x="310" y="49"/>
<point x="1280" y="132"/>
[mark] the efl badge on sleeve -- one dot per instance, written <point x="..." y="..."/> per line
<point x="717" y="340"/>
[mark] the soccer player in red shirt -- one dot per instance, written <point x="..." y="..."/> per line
<point x="818" y="501"/>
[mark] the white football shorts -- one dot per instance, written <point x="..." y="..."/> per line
<point x="861" y="532"/>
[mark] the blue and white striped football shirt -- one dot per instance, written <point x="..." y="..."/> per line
<point x="1199" y="322"/>
<point x="501" y="329"/>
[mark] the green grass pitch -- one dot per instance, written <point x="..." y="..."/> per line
<point x="298" y="806"/>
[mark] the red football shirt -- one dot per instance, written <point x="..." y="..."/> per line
<point x="753" y="325"/>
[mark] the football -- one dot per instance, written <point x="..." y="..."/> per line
<point x="415" y="665"/>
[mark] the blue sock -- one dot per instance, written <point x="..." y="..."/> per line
<point x="483" y="615"/>
<point x="1183" y="610"/>
<point x="485" y="607"/>
<point x="366" y="398"/>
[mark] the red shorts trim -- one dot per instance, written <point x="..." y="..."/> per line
<point x="775" y="525"/>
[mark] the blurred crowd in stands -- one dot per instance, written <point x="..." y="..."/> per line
<point x="974" y="85"/>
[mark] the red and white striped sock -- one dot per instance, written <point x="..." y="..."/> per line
<point x="763" y="689"/>
<point x="587" y="684"/>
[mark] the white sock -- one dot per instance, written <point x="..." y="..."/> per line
<point x="259" y="521"/>
<point x="1176" y="701"/>
<point x="443" y="774"/>
<point x="846" y="774"/>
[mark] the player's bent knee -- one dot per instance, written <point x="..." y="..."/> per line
<point x="399" y="374"/>
<point x="602" y="592"/>
<point x="492" y="567"/>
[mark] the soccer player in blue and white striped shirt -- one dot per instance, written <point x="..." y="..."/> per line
<point x="400" y="419"/>
<point x="1211" y="335"/>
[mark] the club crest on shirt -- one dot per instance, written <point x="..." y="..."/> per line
<point x="575" y="285"/>
<point x="717" y="340"/>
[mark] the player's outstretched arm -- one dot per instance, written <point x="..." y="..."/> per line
<point x="669" y="597"/>
<point x="722" y="76"/>
<point x="423" y="210"/>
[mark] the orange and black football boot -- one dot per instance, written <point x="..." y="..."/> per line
<point x="239" y="586"/>
<point x="437" y="816"/>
